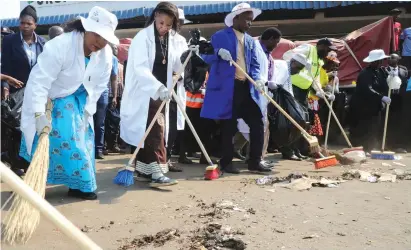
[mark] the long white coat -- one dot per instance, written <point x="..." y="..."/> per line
<point x="181" y="44"/>
<point x="59" y="72"/>
<point x="141" y="85"/>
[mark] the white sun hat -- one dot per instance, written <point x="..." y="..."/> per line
<point x="301" y="58"/>
<point x="375" y="55"/>
<point x="181" y="16"/>
<point x="237" y="10"/>
<point x="101" y="22"/>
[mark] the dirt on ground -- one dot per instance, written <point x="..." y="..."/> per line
<point x="358" y="206"/>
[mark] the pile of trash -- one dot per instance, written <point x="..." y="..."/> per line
<point x="157" y="240"/>
<point x="214" y="236"/>
<point x="298" y="182"/>
<point x="376" y="176"/>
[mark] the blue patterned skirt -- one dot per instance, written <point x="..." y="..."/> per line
<point x="72" y="159"/>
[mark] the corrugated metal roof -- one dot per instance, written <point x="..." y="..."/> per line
<point x="202" y="9"/>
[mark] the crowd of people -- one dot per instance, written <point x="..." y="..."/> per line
<point x="101" y="106"/>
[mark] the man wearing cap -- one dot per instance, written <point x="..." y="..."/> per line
<point x="229" y="94"/>
<point x="20" y="50"/>
<point x="303" y="81"/>
<point x="176" y="118"/>
<point x="367" y="102"/>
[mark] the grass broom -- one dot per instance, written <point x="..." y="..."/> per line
<point x="312" y="140"/>
<point x="23" y="219"/>
<point x="125" y="176"/>
<point x="22" y="189"/>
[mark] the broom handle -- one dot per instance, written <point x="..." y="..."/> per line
<point x="273" y="102"/>
<point x="203" y="150"/>
<point x="140" y="144"/>
<point x="329" y="119"/>
<point x="47" y="210"/>
<point x="332" y="112"/>
<point x="386" y="122"/>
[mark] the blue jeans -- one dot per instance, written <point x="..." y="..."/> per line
<point x="99" y="119"/>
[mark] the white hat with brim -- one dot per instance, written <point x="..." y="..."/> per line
<point x="101" y="22"/>
<point x="375" y="55"/>
<point x="182" y="17"/>
<point x="301" y="58"/>
<point x="237" y="10"/>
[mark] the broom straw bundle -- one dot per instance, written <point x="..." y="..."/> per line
<point x="23" y="219"/>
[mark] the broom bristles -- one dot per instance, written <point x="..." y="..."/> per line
<point x="22" y="219"/>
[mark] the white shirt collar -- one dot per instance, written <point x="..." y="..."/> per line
<point x="35" y="37"/>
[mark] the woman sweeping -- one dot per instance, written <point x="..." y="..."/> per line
<point x="72" y="71"/>
<point x="152" y="60"/>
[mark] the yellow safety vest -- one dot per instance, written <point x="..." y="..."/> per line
<point x="303" y="80"/>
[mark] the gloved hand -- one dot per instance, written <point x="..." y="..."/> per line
<point x="260" y="85"/>
<point x="332" y="73"/>
<point x="331" y="97"/>
<point x="41" y="123"/>
<point x="225" y="55"/>
<point x="272" y="85"/>
<point x="203" y="91"/>
<point x="164" y="94"/>
<point x="386" y="100"/>
<point x="320" y="93"/>
<point x="195" y="49"/>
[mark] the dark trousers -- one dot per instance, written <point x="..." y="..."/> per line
<point x="172" y="129"/>
<point x="99" y="119"/>
<point x="243" y="107"/>
<point x="112" y="123"/>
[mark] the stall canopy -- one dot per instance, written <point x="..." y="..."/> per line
<point x="354" y="47"/>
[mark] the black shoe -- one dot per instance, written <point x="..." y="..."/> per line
<point x="238" y="155"/>
<point x="299" y="155"/>
<point x="292" y="158"/>
<point x="116" y="150"/>
<point x="173" y="168"/>
<point x="258" y="167"/>
<point x="230" y="169"/>
<point x="184" y="160"/>
<point x="100" y="156"/>
<point x="82" y="195"/>
<point x="268" y="164"/>
<point x="272" y="150"/>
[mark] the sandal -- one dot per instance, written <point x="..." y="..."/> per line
<point x="82" y="195"/>
<point x="162" y="181"/>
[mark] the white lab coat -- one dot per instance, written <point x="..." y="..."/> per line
<point x="59" y="72"/>
<point x="282" y="76"/>
<point x="181" y="44"/>
<point x="262" y="102"/>
<point x="141" y="85"/>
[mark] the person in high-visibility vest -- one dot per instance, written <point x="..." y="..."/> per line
<point x="303" y="82"/>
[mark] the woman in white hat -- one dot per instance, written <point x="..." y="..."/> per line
<point x="153" y="57"/>
<point x="367" y="102"/>
<point x="72" y="71"/>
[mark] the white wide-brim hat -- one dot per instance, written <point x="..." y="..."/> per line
<point x="375" y="55"/>
<point x="301" y="58"/>
<point x="101" y="22"/>
<point x="237" y="10"/>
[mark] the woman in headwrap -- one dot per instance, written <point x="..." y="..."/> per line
<point x="72" y="71"/>
<point x="153" y="58"/>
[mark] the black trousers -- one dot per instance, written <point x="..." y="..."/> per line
<point x="172" y="129"/>
<point x="243" y="107"/>
<point x="112" y="123"/>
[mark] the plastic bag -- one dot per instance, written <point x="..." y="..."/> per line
<point x="357" y="156"/>
<point x="195" y="72"/>
<point x="11" y="109"/>
<point x="281" y="128"/>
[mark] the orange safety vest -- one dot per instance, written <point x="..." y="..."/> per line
<point x="196" y="100"/>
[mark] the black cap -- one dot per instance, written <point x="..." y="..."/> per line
<point x="395" y="12"/>
<point x="327" y="42"/>
<point x="29" y="11"/>
<point x="6" y="31"/>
